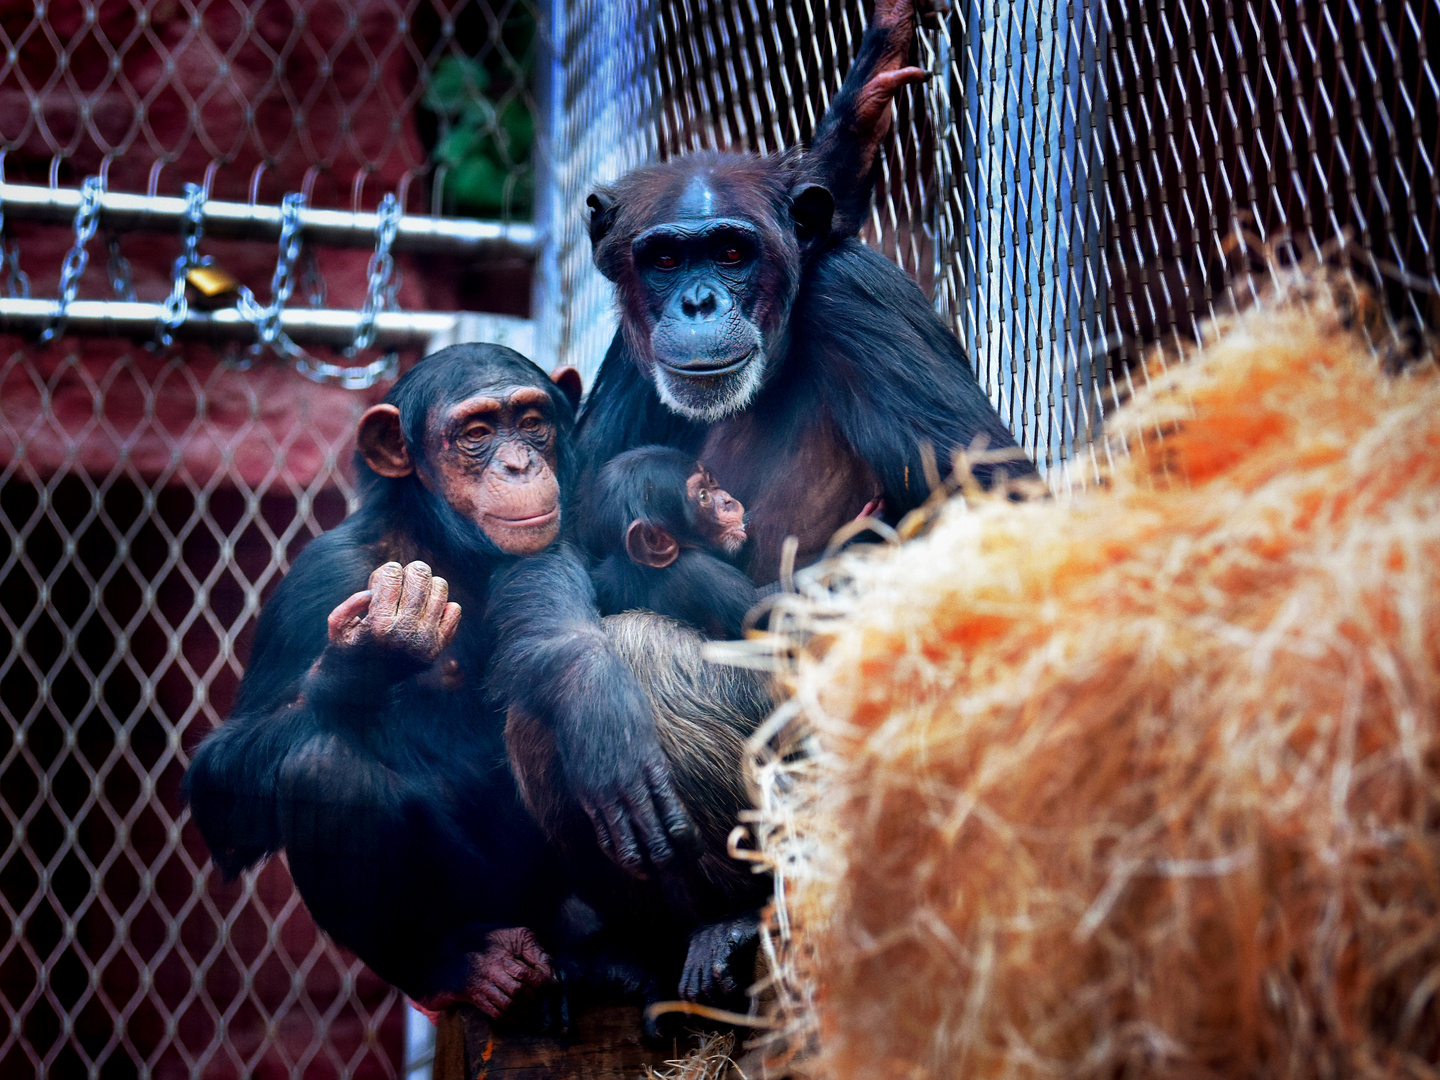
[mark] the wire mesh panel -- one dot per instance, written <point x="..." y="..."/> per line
<point x="1078" y="179"/>
<point x="150" y="497"/>
<point x="1081" y="177"/>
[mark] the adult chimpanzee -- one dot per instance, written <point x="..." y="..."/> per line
<point x="806" y="370"/>
<point x="363" y="740"/>
<point x="663" y="532"/>
<point x="754" y="228"/>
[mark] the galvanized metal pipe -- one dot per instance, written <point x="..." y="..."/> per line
<point x="244" y="221"/>
<point x="304" y="326"/>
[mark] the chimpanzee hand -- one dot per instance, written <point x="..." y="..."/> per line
<point x="621" y="779"/>
<point x="404" y="609"/>
<point x="504" y="978"/>
<point x="715" y="952"/>
<point x="872" y="109"/>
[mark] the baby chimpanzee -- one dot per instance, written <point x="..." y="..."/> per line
<point x="663" y="531"/>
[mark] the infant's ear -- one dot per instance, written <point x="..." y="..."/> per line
<point x="650" y="545"/>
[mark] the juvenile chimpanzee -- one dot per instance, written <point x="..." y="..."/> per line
<point x="663" y="531"/>
<point x="364" y="741"/>
<point x="806" y="370"/>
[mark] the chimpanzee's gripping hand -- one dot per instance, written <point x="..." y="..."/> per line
<point x="554" y="663"/>
<point x="621" y="778"/>
<point x="405" y="610"/>
<point x="896" y="19"/>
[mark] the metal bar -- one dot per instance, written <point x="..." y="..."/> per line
<point x="244" y="221"/>
<point x="305" y="326"/>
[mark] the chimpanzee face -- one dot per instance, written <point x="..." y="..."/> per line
<point x="493" y="459"/>
<point x="719" y="517"/>
<point x="698" y="274"/>
<point x="707" y="252"/>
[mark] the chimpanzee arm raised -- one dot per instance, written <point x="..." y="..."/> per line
<point x="844" y="154"/>
<point x="553" y="662"/>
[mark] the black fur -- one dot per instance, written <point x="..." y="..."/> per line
<point x="701" y="587"/>
<point x="385" y="780"/>
<point x="863" y="379"/>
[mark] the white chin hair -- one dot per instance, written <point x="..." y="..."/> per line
<point x="732" y="396"/>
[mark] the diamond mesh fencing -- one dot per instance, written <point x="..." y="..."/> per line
<point x="1077" y="181"/>
<point x="151" y="497"/>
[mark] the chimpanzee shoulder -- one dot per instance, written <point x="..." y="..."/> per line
<point x="897" y="377"/>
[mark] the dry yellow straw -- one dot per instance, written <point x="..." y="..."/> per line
<point x="1142" y="781"/>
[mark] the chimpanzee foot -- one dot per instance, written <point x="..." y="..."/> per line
<point x="720" y="961"/>
<point x="506" y="979"/>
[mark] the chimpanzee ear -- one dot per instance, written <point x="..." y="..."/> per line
<point x="603" y="208"/>
<point x="568" y="380"/>
<point x="813" y="208"/>
<point x="648" y="544"/>
<point x="382" y="443"/>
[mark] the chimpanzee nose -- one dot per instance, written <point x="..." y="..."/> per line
<point x="513" y="458"/>
<point x="699" y="300"/>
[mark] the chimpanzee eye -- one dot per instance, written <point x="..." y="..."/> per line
<point x="704" y="497"/>
<point x="730" y="256"/>
<point x="666" y="261"/>
<point x="478" y="431"/>
<point x="530" y="423"/>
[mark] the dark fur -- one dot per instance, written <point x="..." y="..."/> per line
<point x="386" y="781"/>
<point x="860" y="373"/>
<point x="705" y="713"/>
<point x="701" y="588"/>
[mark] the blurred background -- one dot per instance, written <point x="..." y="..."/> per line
<point x="204" y="281"/>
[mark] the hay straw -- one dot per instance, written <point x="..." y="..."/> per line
<point x="1144" y="778"/>
<point x="710" y="1060"/>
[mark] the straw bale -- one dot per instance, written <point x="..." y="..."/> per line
<point x="1144" y="780"/>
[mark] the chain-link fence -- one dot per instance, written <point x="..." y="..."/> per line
<point x="151" y="495"/>
<point x="1078" y="179"/>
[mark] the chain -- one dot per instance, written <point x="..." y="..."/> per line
<point x="382" y="264"/>
<point x="18" y="284"/>
<point x="87" y="216"/>
<point x="313" y="281"/>
<point x="267" y="319"/>
<point x="119" y="271"/>
<point x="350" y="378"/>
<point x="176" y="307"/>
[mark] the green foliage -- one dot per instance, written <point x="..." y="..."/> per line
<point x="487" y="132"/>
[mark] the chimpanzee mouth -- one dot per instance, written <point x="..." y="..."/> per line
<point x="527" y="522"/>
<point x="701" y="369"/>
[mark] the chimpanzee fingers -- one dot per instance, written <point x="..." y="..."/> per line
<point x="626" y="851"/>
<point x="888" y="82"/>
<point x="413" y="594"/>
<point x="649" y="832"/>
<point x="449" y="623"/>
<point x="385" y="585"/>
<point x="490" y="1001"/>
<point x="537" y="976"/>
<point x="932" y="13"/>
<point x="345" y="619"/>
<point x="603" y="836"/>
<point x="676" y="819"/>
<point x="432" y="606"/>
<point x="690" y="980"/>
<point x="503" y="981"/>
<point x="537" y="960"/>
